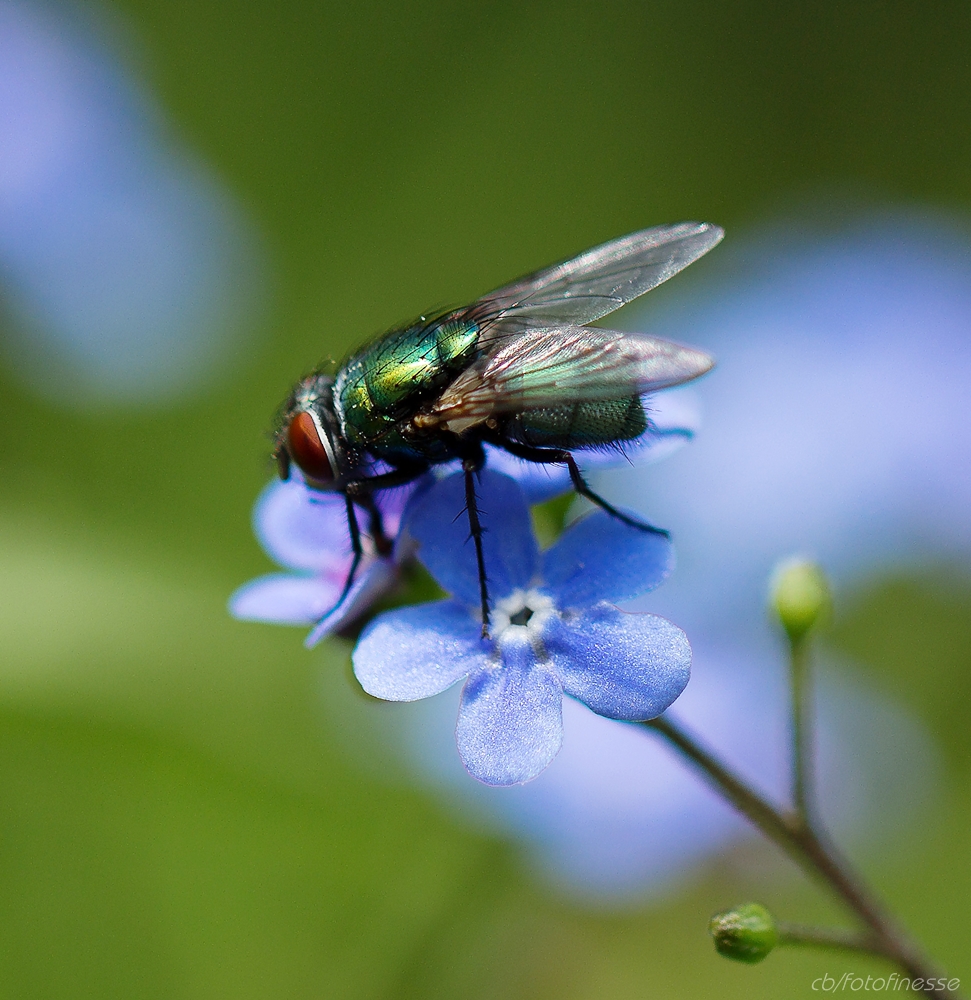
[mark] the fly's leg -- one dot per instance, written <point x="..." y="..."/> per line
<point x="382" y="544"/>
<point x="356" y="547"/>
<point x="359" y="491"/>
<point x="557" y="456"/>
<point x="385" y="480"/>
<point x="470" y="467"/>
<point x="580" y="485"/>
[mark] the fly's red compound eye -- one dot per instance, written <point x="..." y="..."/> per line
<point x="307" y="450"/>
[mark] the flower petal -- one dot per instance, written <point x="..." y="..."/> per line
<point x="302" y="529"/>
<point x="284" y="599"/>
<point x="599" y="558"/>
<point x="374" y="578"/>
<point x="306" y="529"/>
<point x="419" y="651"/>
<point x="623" y="666"/>
<point x="510" y="725"/>
<point x="436" y="519"/>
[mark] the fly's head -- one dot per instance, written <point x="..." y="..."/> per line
<point x="308" y="435"/>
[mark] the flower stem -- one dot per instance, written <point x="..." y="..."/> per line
<point x="812" y="850"/>
<point x="802" y="745"/>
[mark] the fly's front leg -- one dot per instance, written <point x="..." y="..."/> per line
<point x="361" y="491"/>
<point x="382" y="544"/>
<point x="557" y="456"/>
<point x="356" y="547"/>
<point x="470" y="466"/>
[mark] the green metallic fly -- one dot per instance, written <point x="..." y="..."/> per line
<point x="519" y="369"/>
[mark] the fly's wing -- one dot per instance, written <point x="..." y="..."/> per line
<point x="545" y="368"/>
<point x="590" y="286"/>
<point x="539" y="353"/>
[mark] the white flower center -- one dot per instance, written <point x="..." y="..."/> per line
<point x="522" y="615"/>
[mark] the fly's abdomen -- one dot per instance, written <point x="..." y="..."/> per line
<point x="390" y="381"/>
<point x="580" y="425"/>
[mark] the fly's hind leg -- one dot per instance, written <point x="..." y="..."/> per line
<point x="580" y="485"/>
<point x="557" y="456"/>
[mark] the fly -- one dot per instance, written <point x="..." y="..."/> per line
<point x="519" y="369"/>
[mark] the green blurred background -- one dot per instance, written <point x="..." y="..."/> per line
<point x="176" y="817"/>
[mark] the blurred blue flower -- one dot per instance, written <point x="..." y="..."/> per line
<point x="125" y="267"/>
<point x="838" y="424"/>
<point x="306" y="532"/>
<point x="554" y="628"/>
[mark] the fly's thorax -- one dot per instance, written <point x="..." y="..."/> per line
<point x="583" y="424"/>
<point x="378" y="392"/>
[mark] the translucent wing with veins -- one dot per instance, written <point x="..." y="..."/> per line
<point x="539" y="353"/>
<point x="599" y="281"/>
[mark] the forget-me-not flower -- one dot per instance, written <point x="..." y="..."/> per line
<point x="554" y="628"/>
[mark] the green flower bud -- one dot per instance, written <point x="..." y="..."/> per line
<point x="799" y="594"/>
<point x="746" y="934"/>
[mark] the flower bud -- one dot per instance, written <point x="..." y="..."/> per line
<point x="746" y="934"/>
<point x="799" y="594"/>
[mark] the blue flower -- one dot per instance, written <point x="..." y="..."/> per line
<point x="554" y="628"/>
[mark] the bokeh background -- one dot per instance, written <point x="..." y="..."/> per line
<point x="198" y="202"/>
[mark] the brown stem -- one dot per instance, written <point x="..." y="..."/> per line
<point x="812" y="851"/>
